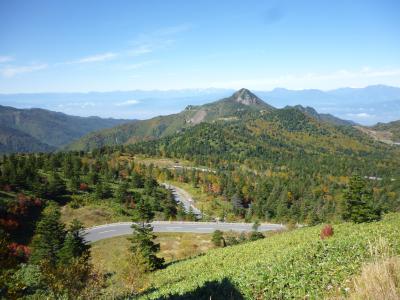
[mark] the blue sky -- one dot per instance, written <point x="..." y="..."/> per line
<point x="80" y="46"/>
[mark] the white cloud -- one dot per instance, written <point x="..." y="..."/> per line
<point x="362" y="115"/>
<point x="11" y="71"/>
<point x="95" y="58"/>
<point x="4" y="59"/>
<point x="76" y="105"/>
<point x="128" y="103"/>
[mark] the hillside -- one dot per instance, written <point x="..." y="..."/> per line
<point x="392" y="127"/>
<point x="47" y="127"/>
<point x="13" y="140"/>
<point x="294" y="265"/>
<point x="234" y="108"/>
<point x="388" y="133"/>
<point x="284" y="137"/>
<point x="328" y="118"/>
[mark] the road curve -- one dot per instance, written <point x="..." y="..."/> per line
<point x="101" y="232"/>
<point x="181" y="196"/>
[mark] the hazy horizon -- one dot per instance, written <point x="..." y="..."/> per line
<point x="366" y="106"/>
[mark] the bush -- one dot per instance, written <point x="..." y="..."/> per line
<point x="326" y="232"/>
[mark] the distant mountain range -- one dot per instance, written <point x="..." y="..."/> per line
<point x="242" y="105"/>
<point x="366" y="106"/>
<point x="33" y="130"/>
<point x="39" y="130"/>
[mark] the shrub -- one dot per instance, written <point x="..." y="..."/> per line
<point x="326" y="232"/>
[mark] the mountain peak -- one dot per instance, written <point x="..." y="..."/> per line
<point x="246" y="97"/>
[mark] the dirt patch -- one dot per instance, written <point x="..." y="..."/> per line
<point x="198" y="117"/>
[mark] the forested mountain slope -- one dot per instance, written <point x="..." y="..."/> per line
<point x="392" y="127"/>
<point x="285" y="138"/>
<point x="229" y="109"/>
<point x="13" y="140"/>
<point x="47" y="127"/>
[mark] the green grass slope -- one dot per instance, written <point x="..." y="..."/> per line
<point x="293" y="265"/>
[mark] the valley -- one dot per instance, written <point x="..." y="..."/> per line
<point x="205" y="189"/>
<point x="199" y="150"/>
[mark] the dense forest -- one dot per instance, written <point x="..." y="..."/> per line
<point x="40" y="255"/>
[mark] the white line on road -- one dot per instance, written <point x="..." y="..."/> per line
<point x="107" y="231"/>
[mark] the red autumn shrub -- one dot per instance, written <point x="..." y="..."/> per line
<point x="83" y="187"/>
<point x="326" y="232"/>
<point x="9" y="224"/>
<point x="38" y="202"/>
<point x="19" y="250"/>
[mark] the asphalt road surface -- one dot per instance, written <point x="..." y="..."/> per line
<point x="101" y="232"/>
<point x="183" y="197"/>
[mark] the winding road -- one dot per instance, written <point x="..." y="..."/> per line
<point x="101" y="232"/>
<point x="183" y="197"/>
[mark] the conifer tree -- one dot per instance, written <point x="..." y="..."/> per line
<point x="358" y="202"/>
<point x="49" y="237"/>
<point x="121" y="192"/>
<point x="74" y="245"/>
<point x="143" y="238"/>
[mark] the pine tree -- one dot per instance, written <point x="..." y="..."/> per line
<point x="218" y="238"/>
<point x="122" y="192"/>
<point x="99" y="191"/>
<point x="56" y="186"/>
<point x="358" y="202"/>
<point x="74" y="245"/>
<point x="143" y="238"/>
<point x="49" y="237"/>
<point x="180" y="212"/>
<point x="137" y="180"/>
<point x="237" y="203"/>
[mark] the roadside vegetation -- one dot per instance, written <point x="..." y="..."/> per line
<point x="296" y="264"/>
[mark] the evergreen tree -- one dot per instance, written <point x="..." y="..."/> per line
<point x="237" y="203"/>
<point x="56" y="186"/>
<point x="137" y="180"/>
<point x="150" y="185"/>
<point x="99" y="191"/>
<point x="218" y="238"/>
<point x="49" y="236"/>
<point x="122" y="192"/>
<point x="74" y="244"/>
<point x="143" y="238"/>
<point x="180" y="212"/>
<point x="255" y="234"/>
<point x="168" y="206"/>
<point x="358" y="202"/>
